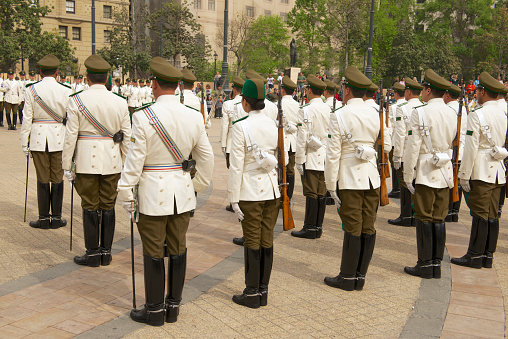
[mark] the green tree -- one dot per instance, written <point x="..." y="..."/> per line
<point x="237" y="40"/>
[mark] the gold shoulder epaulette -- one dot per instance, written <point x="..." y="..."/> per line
<point x="121" y="96"/>
<point x="76" y="93"/>
<point x="245" y="117"/>
<point x="33" y="83"/>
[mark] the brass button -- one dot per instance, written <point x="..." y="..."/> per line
<point x="93" y="166"/>
<point x="59" y="143"/>
<point x="189" y="199"/>
<point x="160" y="203"/>
<point x="58" y="135"/>
<point x="433" y="178"/>
<point x="188" y="185"/>
<point x="262" y="191"/>
<point x="114" y="156"/>
<point x="94" y="146"/>
<point x="38" y="134"/>
<point x="259" y="178"/>
<point x="160" y="177"/>
<point x="93" y="156"/>
<point x="114" y="166"/>
<point x="161" y="190"/>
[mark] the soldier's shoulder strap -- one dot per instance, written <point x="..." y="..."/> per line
<point x="33" y="83"/>
<point x="477" y="108"/>
<point x="245" y="117"/>
<point x="65" y="85"/>
<point x="305" y="105"/>
<point x="121" y="96"/>
<point x="335" y="110"/>
<point x="73" y="94"/>
<point x="239" y="102"/>
<point x="144" y="106"/>
<point x="404" y="103"/>
<point x="420" y="106"/>
<point x="197" y="110"/>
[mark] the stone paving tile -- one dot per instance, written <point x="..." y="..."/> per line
<point x="474" y="326"/>
<point x="50" y="333"/>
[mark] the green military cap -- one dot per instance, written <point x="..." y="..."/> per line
<point x="80" y="76"/>
<point x="10" y="72"/>
<point x="109" y="82"/>
<point x="356" y="79"/>
<point x="315" y="82"/>
<point x="97" y="65"/>
<point x="254" y="88"/>
<point x="373" y="87"/>
<point x="398" y="87"/>
<point x="251" y="74"/>
<point x="49" y="62"/>
<point x="411" y="84"/>
<point x="432" y="79"/>
<point x="491" y="84"/>
<point x="454" y="89"/>
<point x="330" y="85"/>
<point x="163" y="70"/>
<point x="188" y="76"/>
<point x="128" y="79"/>
<point x="141" y="81"/>
<point x="117" y="80"/>
<point x="22" y="73"/>
<point x="237" y="81"/>
<point x="288" y="83"/>
<point x="32" y="73"/>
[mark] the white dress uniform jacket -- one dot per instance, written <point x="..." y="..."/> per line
<point x="192" y="101"/>
<point x="271" y="110"/>
<point x="391" y="119"/>
<point x="341" y="164"/>
<point x="96" y="154"/>
<point x="230" y="110"/>
<point x="159" y="191"/>
<point x="442" y="121"/>
<point x="290" y="109"/>
<point x="11" y="91"/>
<point x="1" y="93"/>
<point x="402" y="125"/>
<point x="477" y="163"/>
<point x="21" y="91"/>
<point x="247" y="180"/>
<point x="329" y="102"/>
<point x="503" y="104"/>
<point x="38" y="126"/>
<point x="463" y="125"/>
<point x="387" y="142"/>
<point x="133" y="98"/>
<point x="319" y="118"/>
<point x="114" y="89"/>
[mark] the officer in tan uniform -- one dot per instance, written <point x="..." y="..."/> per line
<point x="253" y="190"/>
<point x="42" y="134"/>
<point x="166" y="190"/>
<point x="97" y="136"/>
<point x="400" y="129"/>
<point x="482" y="172"/>
<point x="351" y="161"/>
<point x="11" y="91"/>
<point x="313" y="120"/>
<point x="433" y="126"/>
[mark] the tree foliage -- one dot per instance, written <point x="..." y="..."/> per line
<point x="238" y="39"/>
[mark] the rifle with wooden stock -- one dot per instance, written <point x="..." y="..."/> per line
<point x="456" y="147"/>
<point x="384" y="169"/>
<point x="287" y="217"/>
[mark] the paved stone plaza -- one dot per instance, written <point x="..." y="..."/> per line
<point x="43" y="294"/>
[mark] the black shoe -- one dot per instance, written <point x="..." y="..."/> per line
<point x="152" y="313"/>
<point x="43" y="202"/>
<point x="424" y="243"/>
<point x="192" y="213"/>
<point x="469" y="260"/>
<point x="307" y="232"/>
<point x="1" y="124"/>
<point x="91" y="258"/>
<point x="106" y="256"/>
<point x="230" y="208"/>
<point x="422" y="269"/>
<point x="394" y="195"/>
<point x="351" y="249"/>
<point x="250" y="298"/>
<point x="43" y="223"/>
<point x="153" y="316"/>
<point x="239" y="241"/>
<point x="57" y="222"/>
<point x="342" y="282"/>
<point x="436" y="269"/>
<point x="401" y="221"/>
<point x="14" y="127"/>
<point x="310" y="229"/>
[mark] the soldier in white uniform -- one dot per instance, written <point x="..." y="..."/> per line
<point x="22" y="84"/>
<point x="1" y="104"/>
<point x="116" y="86"/>
<point x="42" y="134"/>
<point x="433" y="127"/>
<point x="290" y="109"/>
<point x="97" y="136"/>
<point x="501" y="100"/>
<point x="166" y="191"/>
<point x="271" y="109"/>
<point x="11" y="91"/>
<point x="358" y="178"/>
<point x="253" y="190"/>
<point x="398" y="94"/>
<point x="126" y="87"/>
<point x="313" y="121"/>
<point x="482" y="172"/>
<point x="329" y="93"/>
<point x="132" y="95"/>
<point x="189" y="98"/>
<point x="400" y="129"/>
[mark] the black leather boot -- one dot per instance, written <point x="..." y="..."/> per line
<point x="8" y="118"/>
<point x="250" y="296"/>
<point x="406" y="210"/>
<point x="368" y="241"/>
<point x="438" y="245"/>
<point x="107" y="234"/>
<point x="291" y="185"/>
<point x="92" y="257"/>
<point x="239" y="241"/>
<point x="477" y="241"/>
<point x="265" y="272"/>
<point x="424" y="266"/>
<point x="395" y="193"/>
<point x="152" y="313"/>
<point x="351" y="248"/>
<point x="56" y="205"/>
<point x="176" y="280"/>
<point x="490" y="247"/>
<point x="321" y="216"/>
<point x="309" y="229"/>
<point x="43" y="201"/>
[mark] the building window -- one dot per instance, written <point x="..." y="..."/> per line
<point x="107" y="37"/>
<point x="283" y="16"/>
<point x="211" y="5"/>
<point x="249" y="11"/>
<point x="76" y="33"/>
<point x="197" y="4"/>
<point x="107" y="12"/>
<point x="284" y="1"/>
<point x="63" y="31"/>
<point x="70" y="6"/>
<point x="268" y="13"/>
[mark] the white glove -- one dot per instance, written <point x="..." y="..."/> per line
<point x="397" y="161"/>
<point x="299" y="168"/>
<point x="26" y="150"/>
<point x="128" y="206"/>
<point x="291" y="128"/>
<point x="466" y="186"/>
<point x="335" y="198"/>
<point x="237" y="210"/>
<point x="410" y="187"/>
<point x="224" y="151"/>
<point x="69" y="175"/>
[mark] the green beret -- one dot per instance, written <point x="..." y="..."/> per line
<point x="188" y="76"/>
<point x="164" y="70"/>
<point x="330" y="85"/>
<point x="315" y="82"/>
<point x="491" y="84"/>
<point x="398" y="87"/>
<point x="373" y="87"/>
<point x="432" y="79"/>
<point x="411" y="84"/>
<point x="356" y="79"/>
<point x="49" y="62"/>
<point x="288" y="83"/>
<point x="454" y="89"/>
<point x="22" y="73"/>
<point x="254" y="88"/>
<point x="95" y="64"/>
<point x="237" y="81"/>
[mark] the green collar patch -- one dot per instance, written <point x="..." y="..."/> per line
<point x="398" y="118"/>
<point x="121" y="96"/>
<point x="245" y="117"/>
<point x="239" y="102"/>
<point x="305" y="105"/>
<point x="76" y="93"/>
<point x="410" y="132"/>
<point x="469" y="132"/>
<point x="477" y="108"/>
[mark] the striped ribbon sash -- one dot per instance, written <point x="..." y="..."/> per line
<point x="161" y="168"/>
<point x="45" y="106"/>
<point x="44" y="121"/>
<point x="163" y="134"/>
<point x="82" y="108"/>
<point x="92" y="137"/>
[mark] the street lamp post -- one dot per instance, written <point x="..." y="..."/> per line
<point x="224" y="76"/>
<point x="214" y="69"/>
<point x="368" y="69"/>
<point x="160" y="53"/>
<point x="93" y="26"/>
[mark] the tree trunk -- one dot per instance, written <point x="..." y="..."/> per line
<point x="347" y="47"/>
